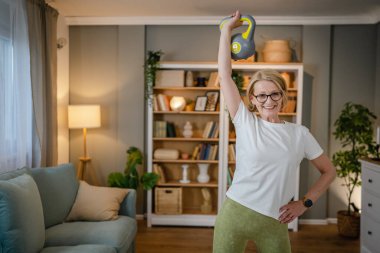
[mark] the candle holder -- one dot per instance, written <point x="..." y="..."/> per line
<point x="185" y="174"/>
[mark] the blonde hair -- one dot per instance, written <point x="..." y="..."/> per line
<point x="268" y="75"/>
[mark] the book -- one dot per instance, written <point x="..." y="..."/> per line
<point x="161" y="103"/>
<point x="207" y="129"/>
<point x="195" y="153"/>
<point x="155" y="104"/>
<point x="213" y="80"/>
<point x="170" y="129"/>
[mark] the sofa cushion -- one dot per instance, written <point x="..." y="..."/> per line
<point x="95" y="203"/>
<point x="14" y="173"/>
<point x="22" y="226"/>
<point x="80" y="249"/>
<point x="116" y="233"/>
<point x="56" y="183"/>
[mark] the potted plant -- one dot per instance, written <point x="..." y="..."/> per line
<point x="131" y="178"/>
<point x="152" y="63"/>
<point x="354" y="130"/>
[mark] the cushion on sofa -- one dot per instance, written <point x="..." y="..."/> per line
<point x="80" y="249"/>
<point x="96" y="203"/>
<point x="115" y="233"/>
<point x="54" y="183"/>
<point x="22" y="226"/>
<point x="14" y="173"/>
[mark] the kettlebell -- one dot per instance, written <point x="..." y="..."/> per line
<point x="242" y="44"/>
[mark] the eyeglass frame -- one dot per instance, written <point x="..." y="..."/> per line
<point x="270" y="95"/>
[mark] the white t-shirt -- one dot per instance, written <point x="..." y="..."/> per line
<point x="268" y="156"/>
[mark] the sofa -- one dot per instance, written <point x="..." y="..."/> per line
<point x="34" y="205"/>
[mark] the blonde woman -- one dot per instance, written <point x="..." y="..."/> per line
<point x="260" y="203"/>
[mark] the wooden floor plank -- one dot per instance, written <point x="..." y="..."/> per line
<point x="309" y="239"/>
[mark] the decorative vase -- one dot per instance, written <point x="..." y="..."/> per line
<point x="187" y="130"/>
<point x="203" y="176"/>
<point x="189" y="79"/>
<point x="184" y="179"/>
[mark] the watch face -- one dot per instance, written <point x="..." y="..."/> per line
<point x="308" y="203"/>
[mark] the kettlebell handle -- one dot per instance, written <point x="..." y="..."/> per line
<point x="251" y="25"/>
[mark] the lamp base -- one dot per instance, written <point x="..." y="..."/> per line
<point x="83" y="161"/>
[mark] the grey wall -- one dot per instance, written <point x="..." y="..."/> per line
<point x="200" y="43"/>
<point x="106" y="68"/>
<point x="316" y="59"/>
<point x="377" y="71"/>
<point x="353" y="77"/>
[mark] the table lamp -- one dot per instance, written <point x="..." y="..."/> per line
<point x="83" y="117"/>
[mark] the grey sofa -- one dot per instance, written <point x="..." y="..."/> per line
<point x="34" y="204"/>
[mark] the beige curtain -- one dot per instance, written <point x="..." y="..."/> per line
<point x="42" y="25"/>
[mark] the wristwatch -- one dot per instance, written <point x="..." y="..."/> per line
<point x="307" y="202"/>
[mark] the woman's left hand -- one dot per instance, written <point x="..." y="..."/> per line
<point x="291" y="211"/>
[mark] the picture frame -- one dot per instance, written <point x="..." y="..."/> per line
<point x="212" y="100"/>
<point x="200" y="103"/>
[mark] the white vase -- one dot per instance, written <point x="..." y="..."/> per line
<point x="184" y="179"/>
<point x="187" y="130"/>
<point x="189" y="79"/>
<point x="203" y="176"/>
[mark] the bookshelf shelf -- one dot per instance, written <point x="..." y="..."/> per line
<point x="187" y="139"/>
<point x="191" y="184"/>
<point x="188" y="113"/>
<point x="221" y="169"/>
<point x="186" y="161"/>
<point x="187" y="88"/>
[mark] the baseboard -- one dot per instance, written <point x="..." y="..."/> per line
<point x="301" y="221"/>
<point x="332" y="220"/>
<point x="313" y="221"/>
<point x="318" y="221"/>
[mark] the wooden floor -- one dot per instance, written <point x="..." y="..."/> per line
<point x="309" y="239"/>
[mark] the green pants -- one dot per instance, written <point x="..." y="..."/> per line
<point x="236" y="224"/>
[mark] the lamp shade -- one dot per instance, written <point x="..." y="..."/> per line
<point x="84" y="116"/>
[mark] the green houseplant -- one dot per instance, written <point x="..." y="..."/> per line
<point x="353" y="129"/>
<point x="152" y="63"/>
<point x="131" y="178"/>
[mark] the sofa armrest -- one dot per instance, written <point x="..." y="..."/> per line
<point x="128" y="206"/>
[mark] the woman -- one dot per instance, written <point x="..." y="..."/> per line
<point x="269" y="150"/>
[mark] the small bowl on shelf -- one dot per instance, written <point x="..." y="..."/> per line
<point x="185" y="156"/>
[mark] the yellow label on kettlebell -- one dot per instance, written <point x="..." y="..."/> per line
<point x="235" y="47"/>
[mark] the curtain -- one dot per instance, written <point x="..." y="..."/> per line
<point x="42" y="25"/>
<point x="16" y="117"/>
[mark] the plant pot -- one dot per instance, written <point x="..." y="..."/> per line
<point x="349" y="225"/>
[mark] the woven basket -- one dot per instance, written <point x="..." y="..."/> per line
<point x="349" y="225"/>
<point x="277" y="51"/>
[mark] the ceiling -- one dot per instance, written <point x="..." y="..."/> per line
<point x="350" y="11"/>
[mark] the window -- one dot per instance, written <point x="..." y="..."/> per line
<point x="16" y="124"/>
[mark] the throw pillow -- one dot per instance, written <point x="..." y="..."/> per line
<point x="22" y="227"/>
<point x="95" y="203"/>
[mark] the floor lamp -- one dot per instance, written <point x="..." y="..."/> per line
<point x="83" y="117"/>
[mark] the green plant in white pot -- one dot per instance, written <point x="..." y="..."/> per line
<point x="354" y="130"/>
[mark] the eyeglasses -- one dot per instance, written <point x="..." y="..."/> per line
<point x="262" y="98"/>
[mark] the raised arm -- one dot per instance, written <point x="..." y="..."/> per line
<point x="228" y="86"/>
